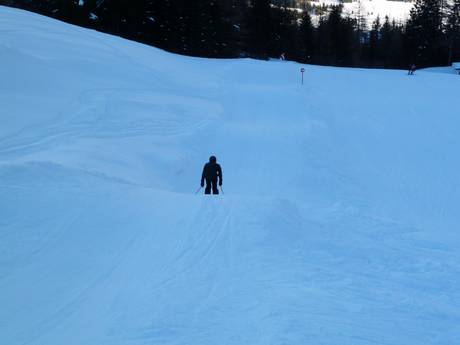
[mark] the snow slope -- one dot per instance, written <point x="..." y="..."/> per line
<point x="339" y="225"/>
<point x="371" y="9"/>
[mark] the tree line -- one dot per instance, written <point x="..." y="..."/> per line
<point x="264" y="29"/>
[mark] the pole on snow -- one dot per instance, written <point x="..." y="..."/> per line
<point x="222" y="190"/>
<point x="198" y="190"/>
<point x="302" y="70"/>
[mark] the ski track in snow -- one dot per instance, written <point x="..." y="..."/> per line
<point x="338" y="226"/>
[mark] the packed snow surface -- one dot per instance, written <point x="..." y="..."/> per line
<point x="340" y="222"/>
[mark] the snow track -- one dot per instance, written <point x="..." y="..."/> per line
<point x="339" y="224"/>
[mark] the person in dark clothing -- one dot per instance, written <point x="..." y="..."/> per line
<point x="211" y="173"/>
<point x="412" y="69"/>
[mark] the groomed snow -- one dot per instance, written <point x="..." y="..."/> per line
<point x="339" y="224"/>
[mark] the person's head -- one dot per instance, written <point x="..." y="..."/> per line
<point x="212" y="159"/>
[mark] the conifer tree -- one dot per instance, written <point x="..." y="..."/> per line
<point x="260" y="34"/>
<point x="284" y="33"/>
<point x="373" y="44"/>
<point x="424" y="33"/>
<point x="453" y="31"/>
<point x="338" y="33"/>
<point x="307" y="37"/>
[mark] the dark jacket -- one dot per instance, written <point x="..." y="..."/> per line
<point x="211" y="171"/>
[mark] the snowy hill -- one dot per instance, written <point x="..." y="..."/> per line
<point x="339" y="223"/>
<point x="371" y="9"/>
<point x="368" y="10"/>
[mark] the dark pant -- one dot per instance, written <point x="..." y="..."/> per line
<point x="211" y="183"/>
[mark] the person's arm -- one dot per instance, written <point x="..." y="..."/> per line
<point x="219" y="169"/>
<point x="202" y="175"/>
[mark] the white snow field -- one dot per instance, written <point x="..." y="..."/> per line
<point x="340" y="222"/>
<point x="371" y="9"/>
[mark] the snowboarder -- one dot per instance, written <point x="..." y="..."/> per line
<point x="211" y="173"/>
<point x="412" y="69"/>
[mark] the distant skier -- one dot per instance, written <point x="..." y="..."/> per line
<point x="412" y="69"/>
<point x="211" y="173"/>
